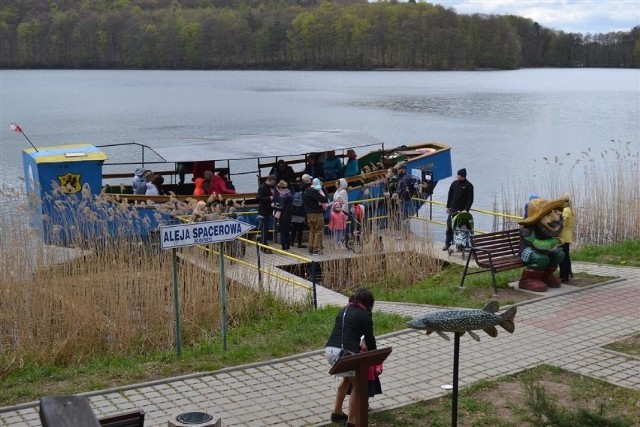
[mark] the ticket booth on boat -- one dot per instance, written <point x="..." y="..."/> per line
<point x="58" y="178"/>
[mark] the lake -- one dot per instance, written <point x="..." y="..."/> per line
<point x="500" y="124"/>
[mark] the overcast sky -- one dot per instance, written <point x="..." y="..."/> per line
<point x="570" y="16"/>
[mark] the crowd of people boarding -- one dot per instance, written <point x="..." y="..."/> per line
<point x="288" y="202"/>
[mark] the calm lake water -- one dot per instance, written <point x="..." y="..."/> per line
<point x="500" y="124"/>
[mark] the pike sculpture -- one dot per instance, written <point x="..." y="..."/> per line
<point x="466" y="321"/>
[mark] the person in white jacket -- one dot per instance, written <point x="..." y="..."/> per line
<point x="138" y="183"/>
<point x="342" y="196"/>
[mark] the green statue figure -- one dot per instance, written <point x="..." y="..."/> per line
<point x="540" y="245"/>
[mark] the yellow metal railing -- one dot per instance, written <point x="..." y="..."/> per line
<point x="371" y="218"/>
<point x="430" y="220"/>
<point x="246" y="263"/>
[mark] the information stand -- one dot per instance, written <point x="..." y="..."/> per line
<point x="360" y="363"/>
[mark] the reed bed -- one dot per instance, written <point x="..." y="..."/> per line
<point x="104" y="296"/>
<point x="604" y="189"/>
<point x="389" y="259"/>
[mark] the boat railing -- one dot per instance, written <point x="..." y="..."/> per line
<point x="121" y="163"/>
<point x="144" y="157"/>
<point x="339" y="153"/>
<point x="271" y="164"/>
<point x="114" y="189"/>
<point x="130" y="174"/>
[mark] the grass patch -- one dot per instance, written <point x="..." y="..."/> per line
<point x="629" y="345"/>
<point x="582" y="280"/>
<point x="282" y="333"/>
<point x="442" y="288"/>
<point x="542" y="396"/>
<point x="620" y="253"/>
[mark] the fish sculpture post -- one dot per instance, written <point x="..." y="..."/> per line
<point x="466" y="321"/>
<point x="459" y="322"/>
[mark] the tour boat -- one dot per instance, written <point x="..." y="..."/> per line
<point x="87" y="189"/>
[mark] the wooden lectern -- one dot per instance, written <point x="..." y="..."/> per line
<point x="360" y="363"/>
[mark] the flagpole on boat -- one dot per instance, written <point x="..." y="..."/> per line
<point x="16" y="128"/>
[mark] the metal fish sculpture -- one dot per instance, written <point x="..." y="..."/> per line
<point x="466" y="321"/>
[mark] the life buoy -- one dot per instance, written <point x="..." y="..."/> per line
<point x="426" y="150"/>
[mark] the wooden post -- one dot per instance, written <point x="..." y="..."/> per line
<point x="360" y="363"/>
<point x="223" y="298"/>
<point x="176" y="301"/>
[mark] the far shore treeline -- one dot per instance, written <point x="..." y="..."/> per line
<point x="290" y="34"/>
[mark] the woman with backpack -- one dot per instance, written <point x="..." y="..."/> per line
<point x="298" y="218"/>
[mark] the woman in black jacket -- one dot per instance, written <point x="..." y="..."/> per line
<point x="283" y="214"/>
<point x="265" y="199"/>
<point x="352" y="322"/>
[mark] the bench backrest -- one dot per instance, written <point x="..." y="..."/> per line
<point x="57" y="411"/>
<point x="501" y="244"/>
<point x="128" y="419"/>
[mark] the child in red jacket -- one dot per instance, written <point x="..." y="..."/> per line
<point x="373" y="375"/>
<point x="337" y="223"/>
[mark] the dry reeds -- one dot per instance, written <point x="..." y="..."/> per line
<point x="389" y="258"/>
<point x="604" y="189"/>
<point x="608" y="201"/>
<point x="97" y="295"/>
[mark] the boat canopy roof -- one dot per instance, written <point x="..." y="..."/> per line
<point x="80" y="152"/>
<point x="255" y="147"/>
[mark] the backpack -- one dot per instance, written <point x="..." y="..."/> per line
<point x="392" y="184"/>
<point x="413" y="186"/>
<point x="297" y="199"/>
<point x="357" y="212"/>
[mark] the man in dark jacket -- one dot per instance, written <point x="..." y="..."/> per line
<point x="283" y="172"/>
<point x="265" y="198"/>
<point x="460" y="198"/>
<point x="314" y="201"/>
<point x="402" y="193"/>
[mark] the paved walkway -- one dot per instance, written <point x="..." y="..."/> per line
<point x="567" y="330"/>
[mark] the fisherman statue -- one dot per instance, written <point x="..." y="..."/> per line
<point x="540" y="246"/>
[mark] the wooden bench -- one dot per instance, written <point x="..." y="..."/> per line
<point x="73" y="410"/>
<point x="126" y="419"/>
<point x="494" y="252"/>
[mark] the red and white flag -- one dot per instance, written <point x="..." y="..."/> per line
<point x="14" y="127"/>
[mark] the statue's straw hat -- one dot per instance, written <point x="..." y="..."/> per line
<point x="538" y="208"/>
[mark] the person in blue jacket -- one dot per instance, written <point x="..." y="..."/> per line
<point x="352" y="168"/>
<point x="532" y="196"/>
<point x="332" y="167"/>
